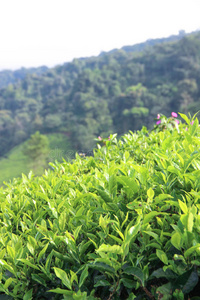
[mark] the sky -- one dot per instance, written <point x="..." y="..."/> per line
<point x="51" y="32"/>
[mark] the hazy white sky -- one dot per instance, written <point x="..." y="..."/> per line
<point x="50" y="32"/>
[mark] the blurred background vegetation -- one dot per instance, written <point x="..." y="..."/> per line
<point x="74" y="103"/>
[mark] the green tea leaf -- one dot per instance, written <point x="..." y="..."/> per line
<point x="28" y="263"/>
<point x="7" y="266"/>
<point x="2" y="253"/>
<point x="48" y="262"/>
<point x="129" y="283"/>
<point x="8" y="283"/>
<point x="131" y="296"/>
<point x="42" y="252"/>
<point x="191" y="250"/>
<point x="57" y="187"/>
<point x="126" y="156"/>
<point x="84" y="275"/>
<point x="183" y="206"/>
<point x="83" y="247"/>
<point x="137" y="272"/>
<point x="150" y="216"/>
<point x="102" y="267"/>
<point x="187" y="281"/>
<point x="11" y="252"/>
<point x="112" y="262"/>
<point x="129" y="185"/>
<point x="112" y="185"/>
<point x="190" y="222"/>
<point x="61" y="291"/>
<point x="73" y="277"/>
<point x="28" y="295"/>
<point x="32" y="241"/>
<point x="76" y="232"/>
<point x="153" y="234"/>
<point x="111" y="249"/>
<point x="150" y="193"/>
<point x="38" y="279"/>
<point x="174" y="170"/>
<point x="116" y="239"/>
<point x="162" y="197"/>
<point x="105" y="196"/>
<point x="131" y="233"/>
<point x="176" y="240"/>
<point x="62" y="221"/>
<point x="63" y="276"/>
<point x="154" y="245"/>
<point x="125" y="220"/>
<point x="30" y="248"/>
<point x="184" y="117"/>
<point x="165" y="291"/>
<point x="162" y="256"/>
<point x="194" y="127"/>
<point x="62" y="257"/>
<point x="102" y="283"/>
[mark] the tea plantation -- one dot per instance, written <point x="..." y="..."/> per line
<point x="121" y="224"/>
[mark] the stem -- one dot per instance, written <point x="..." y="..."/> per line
<point x="148" y="293"/>
<point x="112" y="293"/>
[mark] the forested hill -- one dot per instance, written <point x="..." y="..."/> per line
<point x="114" y="92"/>
<point x="150" y="42"/>
<point x="8" y="76"/>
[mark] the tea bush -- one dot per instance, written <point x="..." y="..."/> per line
<point x="121" y="224"/>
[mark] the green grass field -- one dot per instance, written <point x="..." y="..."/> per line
<point x="16" y="162"/>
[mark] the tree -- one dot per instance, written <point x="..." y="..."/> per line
<point x="37" y="150"/>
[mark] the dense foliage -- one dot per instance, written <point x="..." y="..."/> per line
<point x="121" y="224"/>
<point x="9" y="77"/>
<point x="114" y="92"/>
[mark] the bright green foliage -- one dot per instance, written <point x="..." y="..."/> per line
<point x="121" y="224"/>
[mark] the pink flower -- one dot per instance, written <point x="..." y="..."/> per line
<point x="158" y="116"/>
<point x="186" y="129"/>
<point x="100" y="138"/>
<point x="177" y="121"/>
<point x="158" y="122"/>
<point x="192" y="123"/>
<point x="109" y="138"/>
<point x="174" y="114"/>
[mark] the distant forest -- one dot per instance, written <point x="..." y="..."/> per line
<point x="115" y="92"/>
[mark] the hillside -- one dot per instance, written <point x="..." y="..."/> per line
<point x="123" y="224"/>
<point x="150" y="42"/>
<point x="113" y="92"/>
<point x="15" y="163"/>
<point x="11" y="77"/>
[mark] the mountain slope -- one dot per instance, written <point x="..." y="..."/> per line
<point x="15" y="162"/>
<point x="10" y="77"/>
<point x="114" y="92"/>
